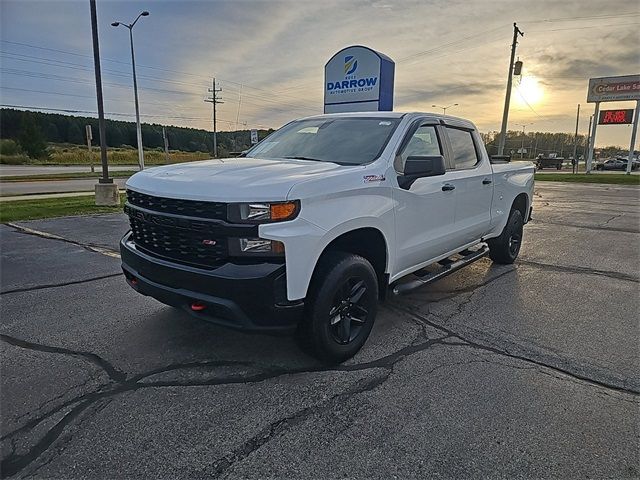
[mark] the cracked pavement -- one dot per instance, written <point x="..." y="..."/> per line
<point x="522" y="371"/>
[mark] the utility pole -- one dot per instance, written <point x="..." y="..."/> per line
<point x="507" y="100"/>
<point x="106" y="191"/>
<point x="575" y="143"/>
<point x="166" y="145"/>
<point x="215" y="101"/>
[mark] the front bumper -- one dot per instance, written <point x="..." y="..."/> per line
<point x="245" y="297"/>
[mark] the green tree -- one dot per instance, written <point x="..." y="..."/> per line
<point x="74" y="134"/>
<point x="31" y="138"/>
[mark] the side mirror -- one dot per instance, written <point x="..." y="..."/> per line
<point x="421" y="166"/>
<point x="500" y="158"/>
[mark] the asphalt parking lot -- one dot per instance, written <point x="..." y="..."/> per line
<point x="523" y="371"/>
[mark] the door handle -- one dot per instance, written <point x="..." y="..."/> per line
<point x="486" y="181"/>
<point x="447" y="187"/>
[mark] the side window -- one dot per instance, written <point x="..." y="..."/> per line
<point x="424" y="142"/>
<point x="464" y="151"/>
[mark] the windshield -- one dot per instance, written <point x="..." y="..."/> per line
<point x="345" y="140"/>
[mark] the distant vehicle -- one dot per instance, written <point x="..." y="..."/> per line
<point x="551" y="161"/>
<point x="617" y="163"/>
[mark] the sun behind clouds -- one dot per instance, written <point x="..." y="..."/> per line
<point x="529" y="90"/>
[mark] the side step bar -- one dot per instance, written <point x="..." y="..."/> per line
<point x="468" y="257"/>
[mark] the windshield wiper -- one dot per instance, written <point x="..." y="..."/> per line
<point x="306" y="158"/>
<point x="316" y="160"/>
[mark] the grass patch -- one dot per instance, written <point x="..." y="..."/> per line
<point x="67" y="154"/>
<point x="614" y="178"/>
<point x="53" y="207"/>
<point x="66" y="176"/>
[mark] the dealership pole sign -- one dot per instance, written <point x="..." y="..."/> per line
<point x="358" y="79"/>
<point x="614" y="89"/>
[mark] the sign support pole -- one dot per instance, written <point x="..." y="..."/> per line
<point x="634" y="131"/>
<point x="592" y="143"/>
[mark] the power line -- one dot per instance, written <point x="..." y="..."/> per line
<point x="591" y="17"/>
<point x="26" y="107"/>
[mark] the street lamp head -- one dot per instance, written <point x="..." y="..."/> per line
<point x="455" y="104"/>
<point x="145" y="13"/>
<point x="115" y="24"/>
<point x="434" y="105"/>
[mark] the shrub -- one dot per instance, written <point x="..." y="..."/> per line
<point x="9" y="147"/>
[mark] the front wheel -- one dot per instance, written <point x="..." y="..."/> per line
<point x="342" y="305"/>
<point x="505" y="248"/>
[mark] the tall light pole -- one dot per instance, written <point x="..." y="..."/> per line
<point x="135" y="85"/>
<point x="444" y="109"/>
<point x="523" y="125"/>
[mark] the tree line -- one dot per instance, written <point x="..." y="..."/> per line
<point x="32" y="130"/>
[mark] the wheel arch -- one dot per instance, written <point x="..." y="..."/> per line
<point x="367" y="242"/>
<point x="521" y="203"/>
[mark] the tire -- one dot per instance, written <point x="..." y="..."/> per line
<point x="341" y="307"/>
<point x="505" y="248"/>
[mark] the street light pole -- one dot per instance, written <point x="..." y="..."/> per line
<point x="523" y="137"/>
<point x="135" y="86"/>
<point x="444" y="109"/>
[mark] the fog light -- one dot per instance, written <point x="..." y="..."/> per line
<point x="260" y="246"/>
<point x="255" y="245"/>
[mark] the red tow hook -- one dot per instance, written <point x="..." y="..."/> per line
<point x="197" y="306"/>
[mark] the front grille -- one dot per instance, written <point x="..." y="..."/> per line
<point x="178" y="239"/>
<point x="178" y="244"/>
<point x="189" y="208"/>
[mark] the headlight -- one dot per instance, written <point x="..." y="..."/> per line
<point x="263" y="212"/>
<point x="256" y="247"/>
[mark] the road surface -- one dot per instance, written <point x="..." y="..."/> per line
<point x="52" y="186"/>
<point x="529" y="370"/>
<point x="25" y="170"/>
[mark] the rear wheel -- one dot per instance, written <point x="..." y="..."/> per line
<point x="505" y="248"/>
<point x="343" y="299"/>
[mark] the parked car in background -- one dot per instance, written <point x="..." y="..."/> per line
<point x="617" y="163"/>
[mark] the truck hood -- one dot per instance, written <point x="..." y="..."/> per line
<point x="231" y="179"/>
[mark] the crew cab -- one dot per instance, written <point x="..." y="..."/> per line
<point x="314" y="225"/>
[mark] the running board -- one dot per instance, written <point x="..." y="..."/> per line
<point x="468" y="257"/>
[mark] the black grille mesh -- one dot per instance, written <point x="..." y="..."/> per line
<point x="189" y="208"/>
<point x="182" y="245"/>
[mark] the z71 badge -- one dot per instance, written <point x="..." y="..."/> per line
<point x="373" y="178"/>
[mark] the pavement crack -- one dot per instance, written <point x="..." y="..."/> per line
<point x="271" y="431"/>
<point x="109" y="252"/>
<point x="62" y="284"/>
<point x="611" y="219"/>
<point x="473" y="344"/>
<point x="588" y="227"/>
<point x="114" y="374"/>
<point x="583" y="270"/>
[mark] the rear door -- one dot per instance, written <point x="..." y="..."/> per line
<point x="472" y="177"/>
<point x="425" y="211"/>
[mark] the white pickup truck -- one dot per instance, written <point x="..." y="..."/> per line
<point x="316" y="223"/>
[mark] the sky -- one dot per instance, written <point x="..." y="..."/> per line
<point x="269" y="56"/>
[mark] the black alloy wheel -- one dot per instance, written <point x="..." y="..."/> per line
<point x="349" y="312"/>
